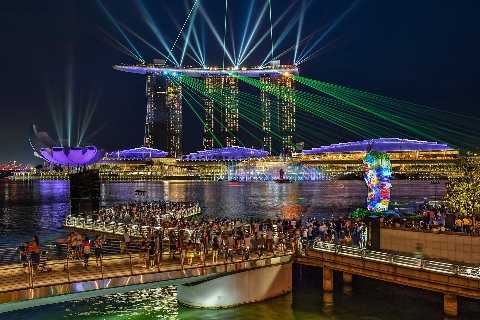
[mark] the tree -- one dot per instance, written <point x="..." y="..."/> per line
<point x="463" y="192"/>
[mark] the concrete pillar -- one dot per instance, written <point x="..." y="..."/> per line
<point x="347" y="283"/>
<point x="450" y="306"/>
<point x="327" y="303"/>
<point x="347" y="277"/>
<point x="327" y="279"/>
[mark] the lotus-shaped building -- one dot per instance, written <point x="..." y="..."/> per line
<point x="48" y="149"/>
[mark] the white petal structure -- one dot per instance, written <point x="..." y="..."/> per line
<point x="75" y="156"/>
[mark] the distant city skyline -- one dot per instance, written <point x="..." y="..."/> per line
<point x="57" y="65"/>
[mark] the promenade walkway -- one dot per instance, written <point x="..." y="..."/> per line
<point x="24" y="284"/>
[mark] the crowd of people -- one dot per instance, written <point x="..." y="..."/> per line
<point x="176" y="229"/>
<point x="144" y="213"/>
<point x="436" y="219"/>
<point x="198" y="236"/>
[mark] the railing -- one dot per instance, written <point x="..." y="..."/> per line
<point x="16" y="277"/>
<point x="85" y="221"/>
<point x="398" y="259"/>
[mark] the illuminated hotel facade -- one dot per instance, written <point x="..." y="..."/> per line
<point x="278" y="112"/>
<point x="221" y="111"/>
<point x="163" y="121"/>
<point x="163" y="127"/>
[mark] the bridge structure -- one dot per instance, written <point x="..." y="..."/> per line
<point x="207" y="285"/>
<point x="451" y="279"/>
<point x="23" y="287"/>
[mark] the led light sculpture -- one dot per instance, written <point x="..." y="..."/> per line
<point x="377" y="177"/>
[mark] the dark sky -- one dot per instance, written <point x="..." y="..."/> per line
<point x="60" y="52"/>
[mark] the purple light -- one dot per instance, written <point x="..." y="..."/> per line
<point x="225" y="154"/>
<point x="66" y="156"/>
<point x="380" y="145"/>
<point x="142" y="153"/>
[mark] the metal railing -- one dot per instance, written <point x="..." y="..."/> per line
<point x="399" y="259"/>
<point x="72" y="270"/>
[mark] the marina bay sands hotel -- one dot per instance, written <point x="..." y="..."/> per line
<point x="163" y="123"/>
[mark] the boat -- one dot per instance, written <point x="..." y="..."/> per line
<point x="282" y="180"/>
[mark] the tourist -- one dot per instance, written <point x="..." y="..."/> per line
<point x="42" y="264"/>
<point x="202" y="251"/>
<point x="158" y="246"/>
<point x="247" y="243"/>
<point x="86" y="245"/>
<point x="99" y="241"/>
<point x="151" y="252"/>
<point x="190" y="252"/>
<point x="173" y="244"/>
<point x="34" y="250"/>
<point x="24" y="254"/>
<point x="73" y="245"/>
<point x="458" y="224"/>
<point x="356" y="236"/>
<point x="261" y="246"/>
<point x="269" y="239"/>
<point x="79" y="244"/>
<point x="142" y="254"/>
<point x="126" y="240"/>
<point x="230" y="243"/>
<point x="215" y="249"/>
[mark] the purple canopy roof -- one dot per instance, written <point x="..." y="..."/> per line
<point x="142" y="153"/>
<point x="225" y="154"/>
<point x="380" y="145"/>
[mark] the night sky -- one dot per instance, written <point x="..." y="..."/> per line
<point x="60" y="52"/>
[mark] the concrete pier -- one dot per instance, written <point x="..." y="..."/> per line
<point x="450" y="306"/>
<point x="327" y="279"/>
<point x="347" y="277"/>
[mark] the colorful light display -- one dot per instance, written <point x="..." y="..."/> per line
<point x="377" y="177"/>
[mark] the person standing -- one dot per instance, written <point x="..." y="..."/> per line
<point x="261" y="246"/>
<point x="127" y="240"/>
<point x="215" y="249"/>
<point x="230" y="245"/>
<point x="142" y="254"/>
<point x="99" y="241"/>
<point x="34" y="250"/>
<point x="24" y="253"/>
<point x="86" y="245"/>
<point x="247" y="243"/>
<point x="190" y="252"/>
<point x="269" y="239"/>
<point x="151" y="252"/>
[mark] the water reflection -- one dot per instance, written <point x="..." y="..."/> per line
<point x="38" y="207"/>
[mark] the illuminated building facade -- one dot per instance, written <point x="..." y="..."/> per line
<point x="163" y="122"/>
<point x="221" y="111"/>
<point x="278" y="113"/>
<point x="164" y="100"/>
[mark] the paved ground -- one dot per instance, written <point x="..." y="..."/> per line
<point x="16" y="277"/>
